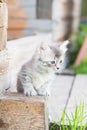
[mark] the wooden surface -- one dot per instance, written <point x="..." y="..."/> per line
<point x="78" y="95"/>
<point x="34" y="26"/>
<point x="2" y="0"/>
<point x="60" y="90"/>
<point x="17" y="19"/>
<point x="67" y="91"/>
<point x="79" y="91"/>
<point x="23" y="17"/>
<point x="3" y="25"/>
<point x="18" y="112"/>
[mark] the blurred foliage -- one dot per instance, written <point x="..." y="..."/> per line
<point x="84" y="8"/>
<point x="78" y="42"/>
<point x="82" y="68"/>
<point x="82" y="33"/>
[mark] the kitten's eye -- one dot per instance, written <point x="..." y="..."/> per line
<point x="60" y="61"/>
<point x="52" y="62"/>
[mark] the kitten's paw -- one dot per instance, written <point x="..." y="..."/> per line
<point x="30" y="92"/>
<point x="43" y="92"/>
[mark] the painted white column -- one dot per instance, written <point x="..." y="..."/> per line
<point x="65" y="16"/>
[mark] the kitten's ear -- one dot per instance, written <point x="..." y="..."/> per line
<point x="59" y="48"/>
<point x="63" y="46"/>
<point x="52" y="47"/>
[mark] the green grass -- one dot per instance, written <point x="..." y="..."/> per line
<point x="82" y="33"/>
<point x="72" y="122"/>
<point x="82" y="68"/>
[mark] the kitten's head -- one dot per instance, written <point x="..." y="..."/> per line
<point x="53" y="55"/>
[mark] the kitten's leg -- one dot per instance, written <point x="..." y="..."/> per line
<point x="29" y="89"/>
<point x="26" y="84"/>
<point x="45" y="89"/>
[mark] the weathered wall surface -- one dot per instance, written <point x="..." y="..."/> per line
<point x="23" y="17"/>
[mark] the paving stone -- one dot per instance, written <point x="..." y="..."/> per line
<point x="79" y="91"/>
<point x="60" y="92"/>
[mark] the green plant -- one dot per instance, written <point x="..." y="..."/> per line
<point x="81" y="68"/>
<point x="72" y="122"/>
<point x="82" y="33"/>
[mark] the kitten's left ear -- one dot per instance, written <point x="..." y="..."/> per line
<point x="63" y="46"/>
<point x="42" y="46"/>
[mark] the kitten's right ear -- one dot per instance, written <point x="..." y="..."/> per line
<point x="63" y="46"/>
<point x="60" y="48"/>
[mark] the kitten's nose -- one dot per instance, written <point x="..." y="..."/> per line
<point x="52" y="62"/>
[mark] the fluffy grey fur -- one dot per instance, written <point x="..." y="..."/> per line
<point x="37" y="75"/>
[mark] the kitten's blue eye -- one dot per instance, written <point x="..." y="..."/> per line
<point x="60" y="61"/>
<point x="52" y="62"/>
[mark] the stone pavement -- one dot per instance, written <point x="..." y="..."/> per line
<point x="67" y="90"/>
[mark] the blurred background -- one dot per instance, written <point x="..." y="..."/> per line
<point x="25" y="17"/>
<point x="65" y="19"/>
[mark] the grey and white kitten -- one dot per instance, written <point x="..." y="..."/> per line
<point x="37" y="75"/>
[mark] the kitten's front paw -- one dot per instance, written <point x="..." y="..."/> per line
<point x="43" y="92"/>
<point x="30" y="92"/>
